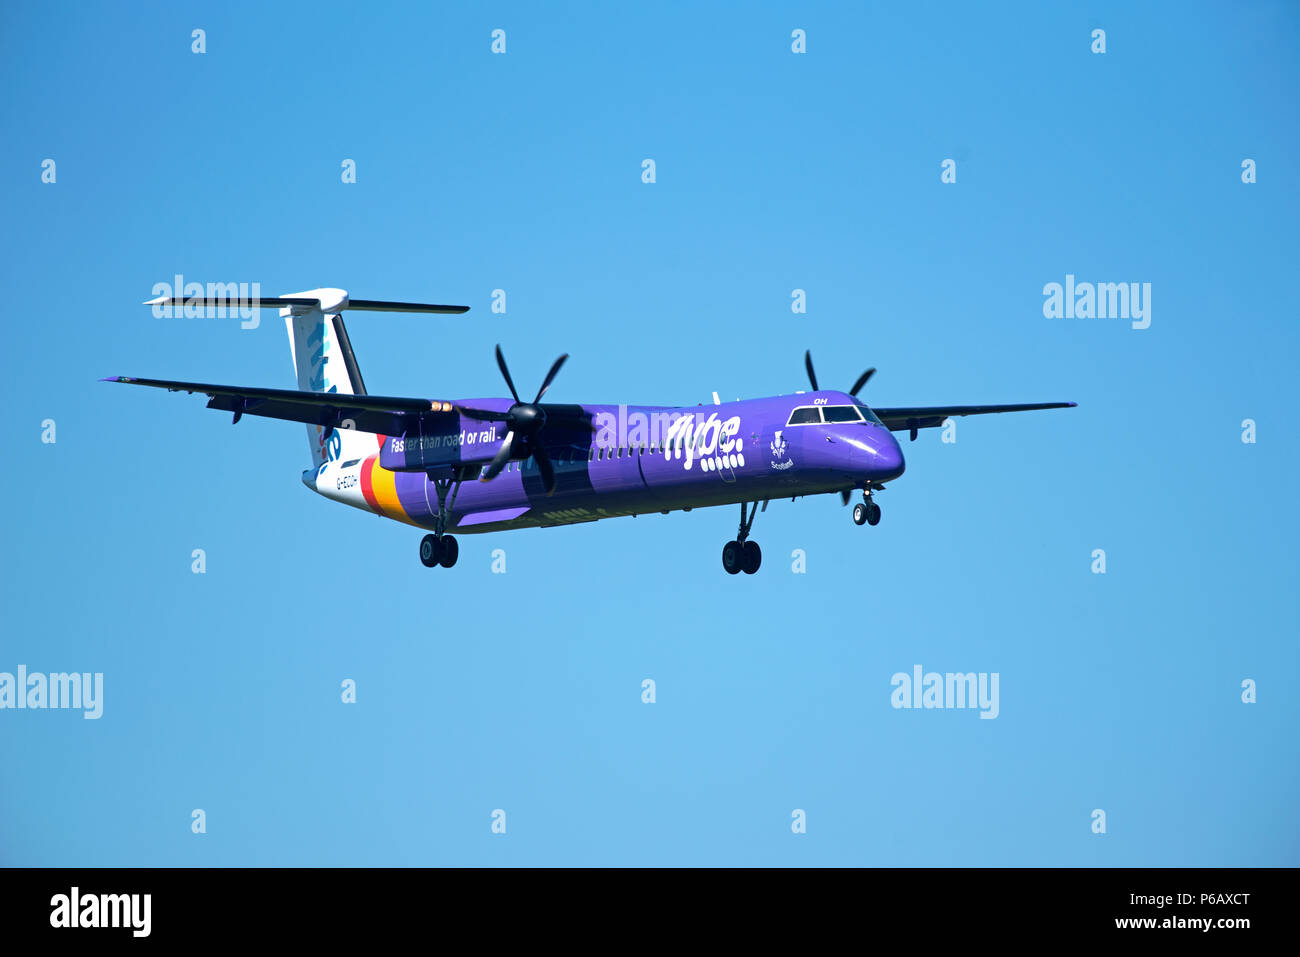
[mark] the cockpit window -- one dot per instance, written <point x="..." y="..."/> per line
<point x="808" y="415"/>
<point x="866" y="411"/>
<point x="842" y="413"/>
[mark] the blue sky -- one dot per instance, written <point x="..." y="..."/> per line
<point x="775" y="171"/>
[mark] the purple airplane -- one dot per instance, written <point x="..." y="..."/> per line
<point x="489" y="465"/>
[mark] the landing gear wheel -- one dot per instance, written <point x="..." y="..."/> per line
<point x="873" y="513"/>
<point x="751" y="556"/>
<point x="429" y="551"/>
<point x="732" y="558"/>
<point x="448" y="551"/>
<point x="859" y="514"/>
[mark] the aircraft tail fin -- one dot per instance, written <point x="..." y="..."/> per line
<point x="322" y="353"/>
<point x="324" y="361"/>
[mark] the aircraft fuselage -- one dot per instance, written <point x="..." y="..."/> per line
<point x="638" y="460"/>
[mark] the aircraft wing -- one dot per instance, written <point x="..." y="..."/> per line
<point x="386" y="415"/>
<point x="932" y="416"/>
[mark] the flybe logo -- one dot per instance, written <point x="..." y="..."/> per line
<point x="328" y="443"/>
<point x="714" y="441"/>
<point x="317" y="343"/>
<point x="683" y="436"/>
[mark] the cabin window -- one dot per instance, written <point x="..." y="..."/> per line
<point x="808" y="415"/>
<point x="348" y="464"/>
<point x="842" y="413"/>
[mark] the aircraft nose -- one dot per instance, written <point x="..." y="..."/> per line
<point x="886" y="462"/>
<point x="892" y="456"/>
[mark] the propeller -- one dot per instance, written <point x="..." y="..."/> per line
<point x="812" y="375"/>
<point x="862" y="380"/>
<point x="857" y="386"/>
<point x="524" y="424"/>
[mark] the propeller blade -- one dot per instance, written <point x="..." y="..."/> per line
<point x="544" y="466"/>
<point x="844" y="497"/>
<point x="862" y="380"/>
<point x="482" y="415"/>
<point x="499" y="460"/>
<point x="807" y="364"/>
<point x="501" y="364"/>
<point x="550" y="377"/>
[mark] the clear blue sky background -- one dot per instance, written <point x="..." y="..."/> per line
<point x="775" y="171"/>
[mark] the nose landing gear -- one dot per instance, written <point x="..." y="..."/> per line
<point x="866" y="512"/>
<point x="742" y="554"/>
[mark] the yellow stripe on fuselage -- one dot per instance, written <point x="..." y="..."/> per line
<point x="383" y="484"/>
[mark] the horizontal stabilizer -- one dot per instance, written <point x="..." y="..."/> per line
<point x="284" y="302"/>
<point x="380" y="305"/>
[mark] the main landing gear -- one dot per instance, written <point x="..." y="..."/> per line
<point x="866" y="512"/>
<point x="742" y="554"/>
<point x="439" y="549"/>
